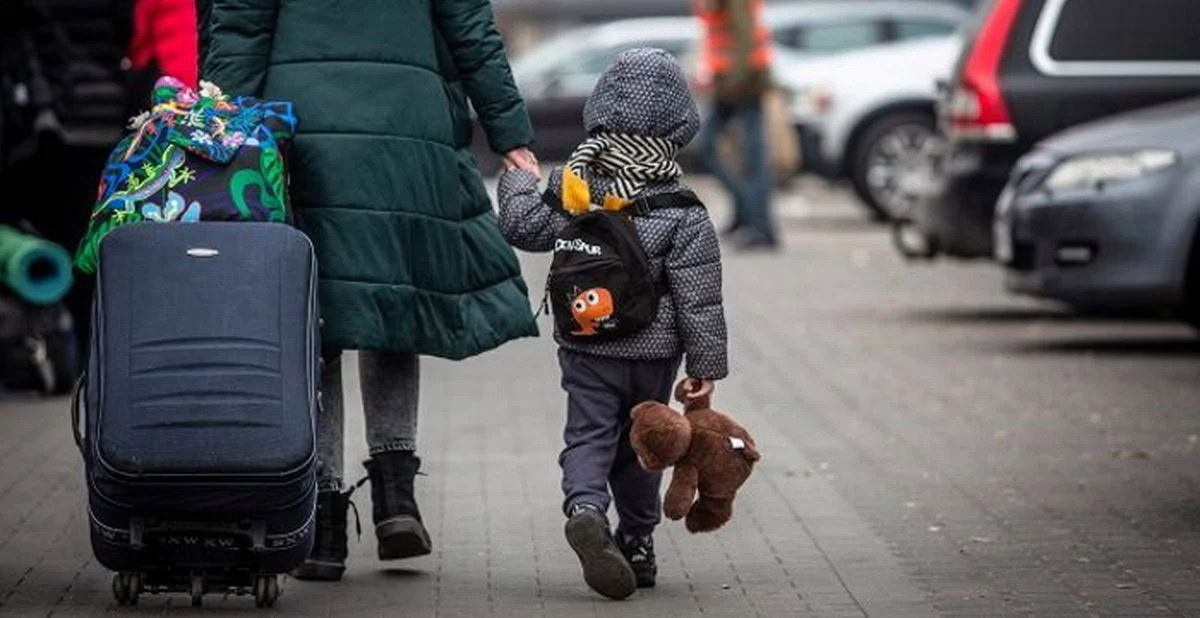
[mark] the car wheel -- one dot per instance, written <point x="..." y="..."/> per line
<point x="911" y="242"/>
<point x="893" y="162"/>
<point x="1191" y="284"/>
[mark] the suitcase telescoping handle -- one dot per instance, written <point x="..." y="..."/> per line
<point x="76" y="409"/>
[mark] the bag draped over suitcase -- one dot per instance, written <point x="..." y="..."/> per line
<point x="195" y="156"/>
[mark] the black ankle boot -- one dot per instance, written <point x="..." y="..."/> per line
<point x="398" y="526"/>
<point x="328" y="558"/>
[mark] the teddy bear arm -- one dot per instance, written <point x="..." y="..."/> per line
<point x="680" y="492"/>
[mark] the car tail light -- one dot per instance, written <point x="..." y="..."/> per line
<point x="976" y="108"/>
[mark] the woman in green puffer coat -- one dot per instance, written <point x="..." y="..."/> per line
<point x="383" y="181"/>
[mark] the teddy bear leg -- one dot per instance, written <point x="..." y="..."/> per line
<point x="709" y="513"/>
<point x="680" y="492"/>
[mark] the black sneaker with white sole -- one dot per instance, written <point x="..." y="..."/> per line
<point x="605" y="568"/>
<point x="639" y="551"/>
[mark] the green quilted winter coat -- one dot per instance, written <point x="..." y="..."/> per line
<point x="383" y="180"/>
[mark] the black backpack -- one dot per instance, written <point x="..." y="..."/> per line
<point x="600" y="286"/>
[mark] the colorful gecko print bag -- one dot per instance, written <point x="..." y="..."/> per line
<point x="194" y="157"/>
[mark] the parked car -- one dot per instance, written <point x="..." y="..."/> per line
<point x="869" y="116"/>
<point x="1106" y="215"/>
<point x="1036" y="67"/>
<point x="557" y="76"/>
<point x="820" y="27"/>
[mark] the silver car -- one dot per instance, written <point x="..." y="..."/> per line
<point x="1105" y="215"/>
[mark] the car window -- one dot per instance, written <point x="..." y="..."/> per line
<point x="546" y="56"/>
<point x="839" y="36"/>
<point x="1119" y="30"/>
<point x="787" y="37"/>
<point x="906" y="29"/>
<point x="593" y="61"/>
<point x="576" y="75"/>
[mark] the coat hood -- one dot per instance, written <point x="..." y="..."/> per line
<point x="643" y="92"/>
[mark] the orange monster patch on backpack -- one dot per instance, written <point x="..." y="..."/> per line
<point x="591" y="308"/>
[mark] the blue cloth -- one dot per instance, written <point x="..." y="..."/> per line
<point x="751" y="189"/>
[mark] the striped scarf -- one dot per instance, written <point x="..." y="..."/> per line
<point x="631" y="161"/>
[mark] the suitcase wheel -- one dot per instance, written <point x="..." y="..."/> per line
<point x="266" y="590"/>
<point x="127" y="585"/>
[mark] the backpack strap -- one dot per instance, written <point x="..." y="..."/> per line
<point x="642" y="206"/>
<point x="551" y="199"/>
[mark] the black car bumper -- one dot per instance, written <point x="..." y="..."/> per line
<point x="1113" y="247"/>
<point x="956" y="215"/>
<point x="812" y="158"/>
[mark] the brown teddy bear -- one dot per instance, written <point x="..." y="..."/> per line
<point x="710" y="453"/>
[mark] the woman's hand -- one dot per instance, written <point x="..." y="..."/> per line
<point x="522" y="158"/>
<point x="695" y="388"/>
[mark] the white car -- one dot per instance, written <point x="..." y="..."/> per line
<point x="869" y="115"/>
<point x="557" y="75"/>
<point x="812" y="28"/>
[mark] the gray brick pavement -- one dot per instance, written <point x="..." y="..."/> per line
<point x="932" y="447"/>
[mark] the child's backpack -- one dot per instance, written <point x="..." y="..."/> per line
<point x="600" y="286"/>
<point x="195" y="156"/>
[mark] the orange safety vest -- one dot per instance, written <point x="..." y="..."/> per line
<point x="717" y="48"/>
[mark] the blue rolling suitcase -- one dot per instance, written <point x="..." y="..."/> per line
<point x="199" y="402"/>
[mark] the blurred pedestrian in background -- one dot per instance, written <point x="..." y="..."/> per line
<point x="63" y="102"/>
<point x="384" y="182"/>
<point x="735" y="63"/>
<point x="164" y="43"/>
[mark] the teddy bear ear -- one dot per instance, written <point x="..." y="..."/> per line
<point x="648" y="407"/>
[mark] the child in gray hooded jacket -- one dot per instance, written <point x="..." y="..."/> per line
<point x="637" y="118"/>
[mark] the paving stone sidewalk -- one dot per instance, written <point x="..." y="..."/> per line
<point x="931" y="447"/>
<point x="490" y="435"/>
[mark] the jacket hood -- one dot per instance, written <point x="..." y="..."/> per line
<point x="643" y="92"/>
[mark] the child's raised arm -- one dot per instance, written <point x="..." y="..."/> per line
<point x="526" y="221"/>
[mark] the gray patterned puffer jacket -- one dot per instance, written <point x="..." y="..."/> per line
<point x="642" y="96"/>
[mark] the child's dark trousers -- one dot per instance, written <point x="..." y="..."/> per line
<point x="600" y="394"/>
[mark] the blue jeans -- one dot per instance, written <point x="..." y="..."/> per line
<point x="751" y="190"/>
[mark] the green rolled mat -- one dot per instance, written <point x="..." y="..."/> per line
<point x="36" y="270"/>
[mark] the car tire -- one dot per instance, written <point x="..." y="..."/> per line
<point x="1190" y="312"/>
<point x="911" y="242"/>
<point x="909" y="131"/>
